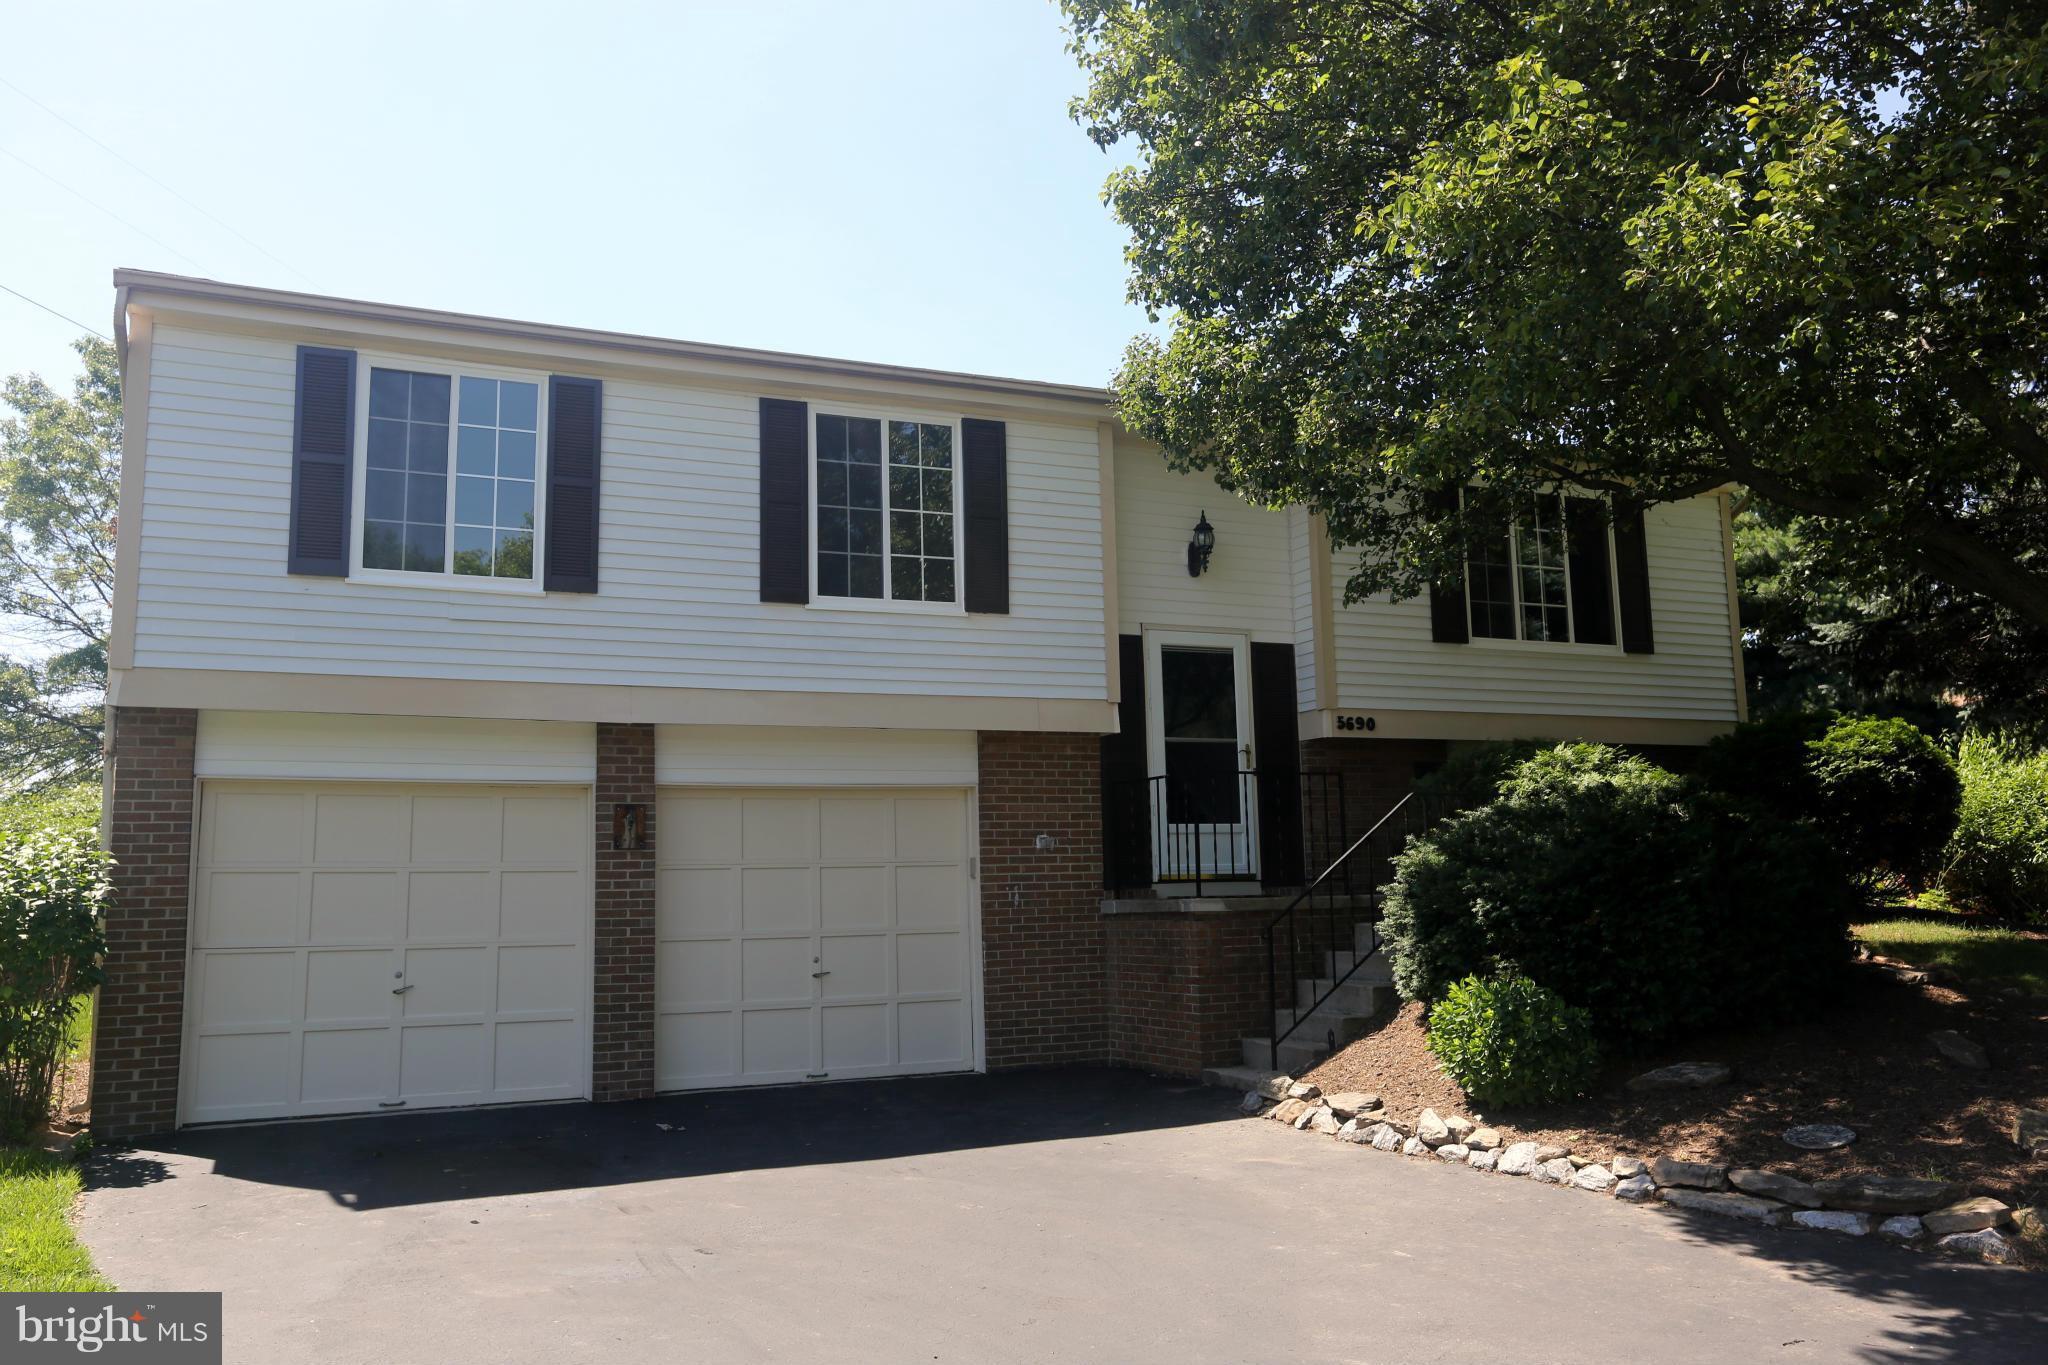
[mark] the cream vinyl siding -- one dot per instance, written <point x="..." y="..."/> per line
<point x="679" y="605"/>
<point x="1249" y="586"/>
<point x="1386" y="660"/>
<point x="395" y="748"/>
<point x="1301" y="555"/>
<point x="773" y="756"/>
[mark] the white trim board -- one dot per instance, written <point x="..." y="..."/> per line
<point x="778" y="756"/>
<point x="330" y="747"/>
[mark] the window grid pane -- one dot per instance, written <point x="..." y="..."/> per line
<point x="849" y="506"/>
<point x="1492" y="579"/>
<point x="405" y="500"/>
<point x="920" y="511"/>
<point x="1539" y="561"/>
<point x="494" y="486"/>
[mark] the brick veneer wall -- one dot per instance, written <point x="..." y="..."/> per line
<point x="1185" y="987"/>
<point x="1041" y="910"/>
<point x="140" y="1019"/>
<point x="1377" y="773"/>
<point x="622" y="958"/>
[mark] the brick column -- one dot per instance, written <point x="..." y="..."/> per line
<point x="622" y="958"/>
<point x="139" y="1023"/>
<point x="1377" y="774"/>
<point x="1041" y="909"/>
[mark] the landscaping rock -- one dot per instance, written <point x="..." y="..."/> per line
<point x="1627" y="1167"/>
<point x="1454" y="1151"/>
<point x="1682" y="1076"/>
<point x="1274" y="1087"/>
<point x="1903" y="1228"/>
<point x="2031" y="1225"/>
<point x="1968" y="1215"/>
<point x="1596" y="1178"/>
<point x="1964" y="1052"/>
<point x="1351" y="1132"/>
<point x="1698" y="1175"/>
<point x="1725" y="1203"/>
<point x="2030" y="1131"/>
<point x="1579" y="1163"/>
<point x="1888" y="1193"/>
<point x="1483" y="1159"/>
<point x="1785" y="1189"/>
<point x="1460" y="1128"/>
<point x="1820" y="1137"/>
<point x="1253" y="1102"/>
<point x="1555" y="1172"/>
<point x="1982" y="1245"/>
<point x="1519" y="1159"/>
<point x="1413" y="1147"/>
<point x="1550" y="1151"/>
<point x="1431" y="1129"/>
<point x="1636" y="1189"/>
<point x="1304" y="1090"/>
<point x="1323" y="1121"/>
<point x="1287" y="1111"/>
<point x="1483" y="1139"/>
<point x="1833" y="1220"/>
<point x="1385" y="1138"/>
<point x="1348" y="1104"/>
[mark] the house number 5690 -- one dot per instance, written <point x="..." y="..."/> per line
<point x="1357" y="723"/>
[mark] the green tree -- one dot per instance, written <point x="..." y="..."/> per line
<point x="1653" y="248"/>
<point x="60" y="474"/>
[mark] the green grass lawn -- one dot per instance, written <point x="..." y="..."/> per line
<point x="78" y="1037"/>
<point x="38" y="1250"/>
<point x="1972" y="952"/>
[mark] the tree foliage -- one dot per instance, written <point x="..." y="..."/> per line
<point x="60" y="474"/>
<point x="1650" y="247"/>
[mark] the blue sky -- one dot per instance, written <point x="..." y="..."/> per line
<point x="888" y="181"/>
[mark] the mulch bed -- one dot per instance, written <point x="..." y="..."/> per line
<point x="1861" y="1060"/>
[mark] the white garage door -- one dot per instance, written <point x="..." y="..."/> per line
<point x="358" y="948"/>
<point x="806" y="935"/>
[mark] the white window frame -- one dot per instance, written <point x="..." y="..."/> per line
<point x="446" y="577"/>
<point x="1573" y="645"/>
<point x="814" y="409"/>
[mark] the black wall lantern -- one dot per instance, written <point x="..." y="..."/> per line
<point x="1198" y="549"/>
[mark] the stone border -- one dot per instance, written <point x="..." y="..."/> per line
<point x="1905" y="1210"/>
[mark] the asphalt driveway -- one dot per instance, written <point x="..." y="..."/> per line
<point x="1048" y="1216"/>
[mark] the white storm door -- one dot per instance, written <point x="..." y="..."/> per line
<point x="1198" y="729"/>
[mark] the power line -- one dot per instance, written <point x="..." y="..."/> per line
<point x="103" y="209"/>
<point x="152" y="179"/>
<point x="55" y="314"/>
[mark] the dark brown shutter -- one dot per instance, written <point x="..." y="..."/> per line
<point x="1126" y="805"/>
<point x="323" y="461"/>
<point x="1447" y="622"/>
<point x="1277" y="739"/>
<point x="785" y="501"/>
<point x="1632" y="578"/>
<point x="575" y="458"/>
<point x="985" y="498"/>
<point x="1585" y="526"/>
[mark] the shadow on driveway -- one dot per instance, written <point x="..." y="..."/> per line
<point x="395" y="1160"/>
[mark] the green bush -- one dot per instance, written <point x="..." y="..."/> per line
<point x="1472" y="775"/>
<point x="1764" y="763"/>
<point x="52" y="888"/>
<point x="70" y="810"/>
<point x="1507" y="1040"/>
<point x="1655" y="907"/>
<point x="1998" y="855"/>
<point x="1887" y="795"/>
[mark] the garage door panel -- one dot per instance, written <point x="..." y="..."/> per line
<point x="251" y="909"/>
<point x="759" y="891"/>
<point x="345" y="1066"/>
<point x="256" y="830"/>
<point x="538" y="980"/>
<point x="778" y="899"/>
<point x="249" y="990"/>
<point x="857" y="827"/>
<point x="350" y="827"/>
<point x="452" y="906"/>
<point x="930" y="897"/>
<point x="350" y="985"/>
<point x="358" y="907"/>
<point x="853" y="897"/>
<point x="446" y="982"/>
<point x="315" y="903"/>
<point x="457" y="830"/>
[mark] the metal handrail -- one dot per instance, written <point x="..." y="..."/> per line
<point x="1289" y="916"/>
<point x="1173" y="849"/>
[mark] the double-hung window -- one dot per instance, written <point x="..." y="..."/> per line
<point x="1546" y="577"/>
<point x="887" y="508"/>
<point x="449" y="473"/>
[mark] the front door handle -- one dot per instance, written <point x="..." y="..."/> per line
<point x="816" y="975"/>
<point x="403" y="989"/>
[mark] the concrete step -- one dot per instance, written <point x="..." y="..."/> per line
<point x="1297" y="1054"/>
<point x="1359" y="995"/>
<point x="1240" y="1077"/>
<point x="1348" y="1027"/>
<point x="1337" y="962"/>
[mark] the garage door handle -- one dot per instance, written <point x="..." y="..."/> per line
<point x="403" y="989"/>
